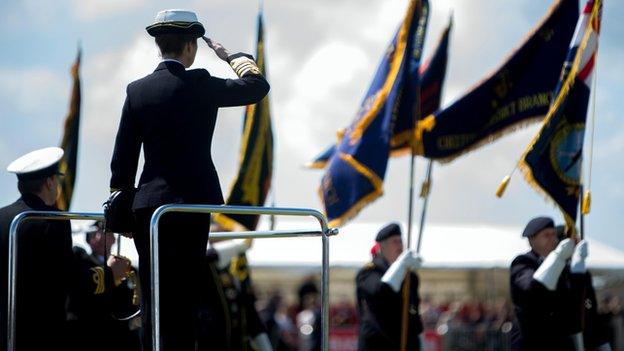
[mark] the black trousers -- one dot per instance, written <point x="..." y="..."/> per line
<point x="182" y="238"/>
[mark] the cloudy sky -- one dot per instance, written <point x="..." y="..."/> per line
<point x="321" y="55"/>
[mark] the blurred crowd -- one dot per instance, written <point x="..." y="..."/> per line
<point x="459" y="325"/>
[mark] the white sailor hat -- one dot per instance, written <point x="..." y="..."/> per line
<point x="37" y="164"/>
<point x="176" y="22"/>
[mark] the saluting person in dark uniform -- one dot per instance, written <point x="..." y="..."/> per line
<point x="44" y="258"/>
<point x="172" y="114"/>
<point x="380" y="298"/>
<point x="102" y="298"/>
<point x="548" y="292"/>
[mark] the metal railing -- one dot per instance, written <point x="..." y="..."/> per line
<point x="324" y="233"/>
<point x="29" y="215"/>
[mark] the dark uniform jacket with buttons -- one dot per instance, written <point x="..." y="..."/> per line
<point x="96" y="306"/>
<point x="44" y="271"/>
<point x="547" y="319"/>
<point x="380" y="310"/>
<point x="172" y="113"/>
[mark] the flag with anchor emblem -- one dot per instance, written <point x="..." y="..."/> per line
<point x="552" y="162"/>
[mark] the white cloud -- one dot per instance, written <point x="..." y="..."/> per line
<point x="327" y="75"/>
<point x="105" y="79"/>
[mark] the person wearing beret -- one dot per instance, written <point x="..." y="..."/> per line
<point x="171" y="113"/>
<point x="103" y="298"/>
<point x="44" y="261"/>
<point x="548" y="290"/>
<point x="379" y="287"/>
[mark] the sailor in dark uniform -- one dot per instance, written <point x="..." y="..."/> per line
<point x="44" y="255"/>
<point x="595" y="328"/>
<point x="379" y="295"/>
<point x="231" y="321"/>
<point x="172" y="114"/>
<point x="548" y="292"/>
<point x="103" y="297"/>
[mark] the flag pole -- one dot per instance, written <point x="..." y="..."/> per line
<point x="410" y="211"/>
<point x="582" y="219"/>
<point x="426" y="186"/>
<point x="410" y="205"/>
<point x="424" y="193"/>
<point x="585" y="195"/>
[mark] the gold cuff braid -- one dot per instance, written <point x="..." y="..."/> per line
<point x="244" y="66"/>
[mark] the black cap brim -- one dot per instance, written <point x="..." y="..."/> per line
<point x="188" y="28"/>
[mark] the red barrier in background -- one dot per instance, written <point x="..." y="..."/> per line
<point x="345" y="339"/>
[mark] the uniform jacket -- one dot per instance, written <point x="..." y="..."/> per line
<point x="93" y="295"/>
<point x="172" y="114"/>
<point x="94" y="305"/>
<point x="380" y="310"/>
<point x="547" y="319"/>
<point x="44" y="270"/>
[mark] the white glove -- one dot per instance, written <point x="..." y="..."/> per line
<point x="577" y="339"/>
<point x="550" y="270"/>
<point x="261" y="343"/>
<point x="229" y="249"/>
<point x="413" y="261"/>
<point x="408" y="260"/>
<point x="604" y="347"/>
<point x="577" y="265"/>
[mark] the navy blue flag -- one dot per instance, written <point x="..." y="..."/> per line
<point x="431" y="77"/>
<point x="517" y="93"/>
<point x="320" y="161"/>
<point x="552" y="162"/>
<point x="354" y="176"/>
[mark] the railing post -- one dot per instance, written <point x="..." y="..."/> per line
<point x="12" y="276"/>
<point x="324" y="233"/>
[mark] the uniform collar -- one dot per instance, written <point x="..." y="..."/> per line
<point x="536" y="256"/>
<point x="36" y="202"/>
<point x="171" y="65"/>
<point x="381" y="262"/>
